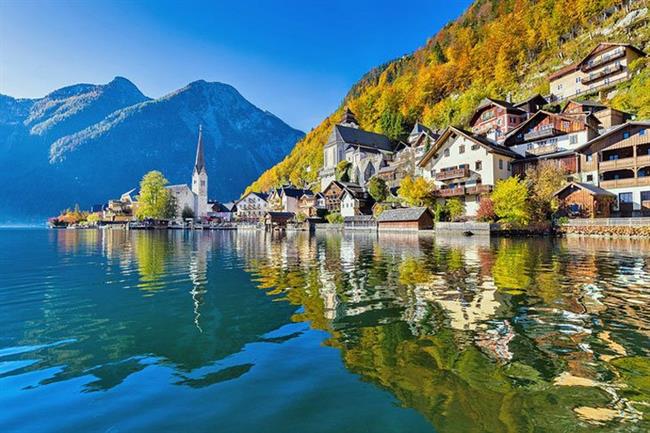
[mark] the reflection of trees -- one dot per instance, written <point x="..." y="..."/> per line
<point x="151" y="253"/>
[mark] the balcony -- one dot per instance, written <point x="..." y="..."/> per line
<point x="623" y="183"/>
<point x="455" y="173"/>
<point x="478" y="189"/>
<point x="616" y="54"/>
<point x="543" y="132"/>
<point x="617" y="164"/>
<point x="643" y="160"/>
<point x="450" y="192"/>
<point x="599" y="75"/>
<point x="544" y="150"/>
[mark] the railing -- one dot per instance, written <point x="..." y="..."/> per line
<point x="547" y="131"/>
<point x="478" y="189"/>
<point x="450" y="192"/>
<point x="543" y="150"/>
<point x="620" y="183"/>
<point x="453" y="173"/>
<point x="605" y="72"/>
<point x="616" y="54"/>
<point x="643" y="159"/>
<point x="617" y="163"/>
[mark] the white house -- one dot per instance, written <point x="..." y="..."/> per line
<point x="252" y="207"/>
<point x="355" y="201"/>
<point x="464" y="165"/>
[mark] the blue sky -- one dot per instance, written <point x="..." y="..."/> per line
<point x="294" y="58"/>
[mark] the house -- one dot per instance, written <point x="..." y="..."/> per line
<point x="533" y="104"/>
<point x="465" y="165"/>
<point x="121" y="210"/>
<point x="578" y="107"/>
<point x="494" y="118"/>
<point x="607" y="64"/>
<point x="194" y="198"/>
<point x="585" y="200"/>
<point x="286" y="198"/>
<point x="619" y="162"/>
<point x="355" y="201"/>
<point x="333" y="194"/>
<point x="366" y="151"/>
<point x="277" y="220"/>
<point x="222" y="212"/>
<point x="551" y="136"/>
<point x="252" y="207"/>
<point x="607" y="117"/>
<point x="407" y="219"/>
<point x="312" y="205"/>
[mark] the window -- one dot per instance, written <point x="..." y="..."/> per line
<point x="475" y="146"/>
<point x="613" y="157"/>
<point x="625" y="197"/>
<point x="478" y="165"/>
<point x="641" y="131"/>
<point x="590" y="157"/>
<point x="446" y="152"/>
<point x="509" y="166"/>
<point x="626" y="134"/>
<point x="461" y="149"/>
<point x="590" y="178"/>
<point x="501" y="164"/>
<point x="573" y="139"/>
<point x="530" y="146"/>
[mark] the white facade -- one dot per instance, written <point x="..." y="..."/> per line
<point x="553" y="144"/>
<point x="184" y="198"/>
<point x="252" y="207"/>
<point x="348" y="205"/>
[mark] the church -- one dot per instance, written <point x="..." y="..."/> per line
<point x="195" y="197"/>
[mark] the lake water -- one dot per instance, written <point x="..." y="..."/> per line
<point x="108" y="331"/>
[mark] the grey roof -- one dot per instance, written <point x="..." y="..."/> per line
<point x="364" y="138"/>
<point x="199" y="164"/>
<point x="593" y="189"/>
<point x="402" y="214"/>
<point x="219" y="207"/>
<point x="645" y="123"/>
<point x="295" y="192"/>
<point x="419" y="128"/>
<point x="348" y="117"/>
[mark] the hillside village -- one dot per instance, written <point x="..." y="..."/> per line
<point x="598" y="156"/>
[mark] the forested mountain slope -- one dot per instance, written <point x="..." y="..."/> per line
<point x="497" y="47"/>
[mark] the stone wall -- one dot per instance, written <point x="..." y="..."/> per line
<point x="603" y="230"/>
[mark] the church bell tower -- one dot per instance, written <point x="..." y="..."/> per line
<point x="200" y="179"/>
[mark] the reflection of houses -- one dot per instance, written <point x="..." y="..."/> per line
<point x="252" y="207"/>
<point x="604" y="66"/>
<point x="366" y="151"/>
<point x="465" y="165"/>
<point x="586" y="200"/>
<point x="121" y="210"/>
<point x="619" y="161"/>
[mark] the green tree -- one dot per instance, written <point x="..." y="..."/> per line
<point x="415" y="192"/>
<point x="543" y="181"/>
<point x="510" y="198"/>
<point x="455" y="208"/>
<point x="343" y="171"/>
<point x="155" y="201"/>
<point x="377" y="189"/>
<point x="334" y="218"/>
<point x="438" y="54"/>
<point x="187" y="213"/>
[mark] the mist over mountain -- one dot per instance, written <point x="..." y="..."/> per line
<point x="88" y="143"/>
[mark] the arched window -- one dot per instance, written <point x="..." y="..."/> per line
<point x="369" y="172"/>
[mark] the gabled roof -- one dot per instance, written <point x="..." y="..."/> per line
<point x="535" y="98"/>
<point x="490" y="146"/>
<point x="348" y="117"/>
<point x="644" y="123"/>
<point x="607" y="45"/>
<point x="219" y="207"/>
<point x="264" y="196"/>
<point x="588" y="187"/>
<point x="419" y="128"/>
<point x="488" y="102"/>
<point x="565" y="70"/>
<point x="178" y="186"/>
<point x="585" y="103"/>
<point x="293" y="192"/>
<point x="402" y="214"/>
<point x="363" y="138"/>
<point x="512" y="135"/>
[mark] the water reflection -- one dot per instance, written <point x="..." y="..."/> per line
<point x="477" y="335"/>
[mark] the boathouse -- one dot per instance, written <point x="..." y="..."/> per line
<point x="586" y="200"/>
<point x="417" y="218"/>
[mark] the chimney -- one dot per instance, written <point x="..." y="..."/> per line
<point x="509" y="98"/>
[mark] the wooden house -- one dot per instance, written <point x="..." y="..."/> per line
<point x="405" y="219"/>
<point x="585" y="200"/>
<point x="494" y="118"/>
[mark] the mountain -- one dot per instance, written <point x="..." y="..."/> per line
<point x="88" y="143"/>
<point x="496" y="48"/>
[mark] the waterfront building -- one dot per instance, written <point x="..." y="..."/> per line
<point x="466" y="165"/>
<point x="619" y="162"/>
<point x="355" y="201"/>
<point x="312" y="205"/>
<point x="366" y="151"/>
<point x="607" y="64"/>
<point x="416" y="218"/>
<point x="222" y="212"/>
<point x="585" y="200"/>
<point x="122" y="210"/>
<point x="195" y="197"/>
<point x="286" y="198"/>
<point x="252" y="207"/>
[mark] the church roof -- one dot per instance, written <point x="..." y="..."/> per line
<point x="348" y="117"/>
<point x="199" y="164"/>
<point x="364" y="138"/>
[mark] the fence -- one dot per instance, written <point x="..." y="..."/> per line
<point x="609" y="222"/>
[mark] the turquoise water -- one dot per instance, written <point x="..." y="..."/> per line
<point x="241" y="331"/>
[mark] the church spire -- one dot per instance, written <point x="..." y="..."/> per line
<point x="199" y="165"/>
<point x="348" y="118"/>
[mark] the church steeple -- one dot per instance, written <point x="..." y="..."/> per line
<point x="199" y="165"/>
<point x="349" y="119"/>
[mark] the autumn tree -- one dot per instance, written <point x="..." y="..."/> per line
<point x="343" y="171"/>
<point x="510" y="198"/>
<point x="155" y="200"/>
<point x="543" y="182"/>
<point x="455" y="208"/>
<point x="415" y="192"/>
<point x="378" y="189"/>
<point x="485" y="212"/>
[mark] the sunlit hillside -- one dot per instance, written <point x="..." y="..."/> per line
<point x="496" y="48"/>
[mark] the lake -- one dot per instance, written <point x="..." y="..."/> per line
<point x="111" y="331"/>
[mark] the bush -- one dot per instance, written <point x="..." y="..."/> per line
<point x="415" y="192"/>
<point x="377" y="189"/>
<point x="334" y="218"/>
<point x="440" y="212"/>
<point x="510" y="197"/>
<point x="187" y="213"/>
<point x="300" y="217"/>
<point x="343" y="171"/>
<point x="455" y="208"/>
<point x="485" y="211"/>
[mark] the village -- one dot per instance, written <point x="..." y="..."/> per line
<point x="557" y="160"/>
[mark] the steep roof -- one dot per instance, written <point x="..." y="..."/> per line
<point x="607" y="45"/>
<point x="348" y="117"/>
<point x="585" y="103"/>
<point x="363" y="138"/>
<point x="419" y="128"/>
<point x="294" y="192"/>
<point x="488" y="102"/>
<point x="590" y="188"/>
<point x="199" y="164"/>
<point x="490" y="146"/>
<point x="402" y="214"/>
<point x="644" y="123"/>
<point x="535" y="98"/>
<point x="566" y="70"/>
<point x="512" y="135"/>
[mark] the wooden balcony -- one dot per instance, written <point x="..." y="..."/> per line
<point x="478" y="189"/>
<point x="544" y="132"/>
<point x="643" y="160"/>
<point x="615" y="164"/>
<point x="623" y="183"/>
<point x="544" y="150"/>
<point x="616" y="54"/>
<point x="450" y="192"/>
<point x="455" y="173"/>
<point x="609" y="70"/>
